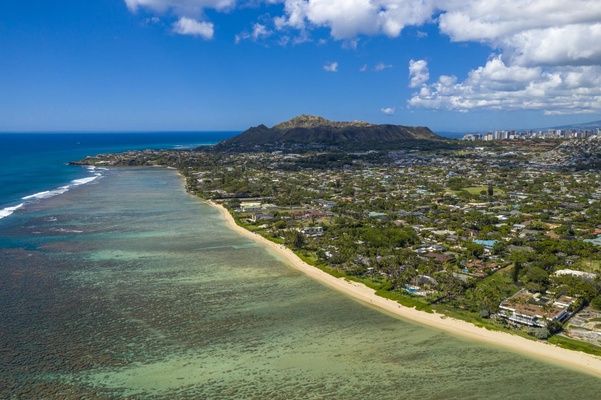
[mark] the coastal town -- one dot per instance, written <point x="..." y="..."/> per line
<point x="505" y="235"/>
<point x="534" y="134"/>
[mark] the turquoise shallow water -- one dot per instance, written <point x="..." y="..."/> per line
<point x="129" y="288"/>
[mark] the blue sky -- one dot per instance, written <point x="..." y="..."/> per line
<point x="451" y="65"/>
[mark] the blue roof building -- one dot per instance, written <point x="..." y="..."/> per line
<point x="486" y="243"/>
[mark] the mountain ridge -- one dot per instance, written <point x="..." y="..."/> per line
<point x="312" y="121"/>
<point x="309" y="130"/>
<point x="582" y="125"/>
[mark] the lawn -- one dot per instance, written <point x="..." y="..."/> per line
<point x="478" y="189"/>
<point x="588" y="265"/>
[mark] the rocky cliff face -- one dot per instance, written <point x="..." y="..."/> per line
<point x="307" y="130"/>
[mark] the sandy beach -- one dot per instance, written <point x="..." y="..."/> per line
<point x="537" y="349"/>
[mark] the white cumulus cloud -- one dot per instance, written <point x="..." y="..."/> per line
<point x="497" y="86"/>
<point x="550" y="32"/>
<point x="388" y="110"/>
<point x="348" y="18"/>
<point x="418" y="73"/>
<point x="189" y="13"/>
<point x="188" y="26"/>
<point x="545" y="57"/>
<point x="331" y="67"/>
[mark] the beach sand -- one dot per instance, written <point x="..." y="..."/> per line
<point x="537" y="349"/>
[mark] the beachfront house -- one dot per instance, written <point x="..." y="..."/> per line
<point x="250" y="206"/>
<point x="312" y="231"/>
<point x="535" y="310"/>
<point x="262" y="217"/>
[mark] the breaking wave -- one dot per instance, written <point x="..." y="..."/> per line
<point x="46" y="194"/>
<point x="5" y="212"/>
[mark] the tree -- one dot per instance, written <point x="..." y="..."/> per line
<point x="281" y="224"/>
<point x="457" y="183"/>
<point x="564" y="230"/>
<point x="515" y="271"/>
<point x="233" y="204"/>
<point x="408" y="275"/>
<point x="585" y="290"/>
<point x="475" y="249"/>
<point x="554" y="326"/>
<point x="489" y="295"/>
<point x="537" y="275"/>
<point x="321" y="254"/>
<point x="596" y="302"/>
<point x="500" y="246"/>
<point x="491" y="190"/>
<point x="540" y="333"/>
<point x="450" y="286"/>
<point x="294" y="239"/>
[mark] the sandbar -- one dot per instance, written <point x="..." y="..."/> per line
<point x="535" y="349"/>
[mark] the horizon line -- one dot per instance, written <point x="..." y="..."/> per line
<point x="120" y="131"/>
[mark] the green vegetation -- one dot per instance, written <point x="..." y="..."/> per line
<point x="576" y="345"/>
<point x="405" y="300"/>
<point x="477" y="190"/>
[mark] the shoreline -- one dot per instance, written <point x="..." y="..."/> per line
<point x="579" y="361"/>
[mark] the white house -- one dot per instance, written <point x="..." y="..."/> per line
<point x="312" y="231"/>
<point x="524" y="308"/>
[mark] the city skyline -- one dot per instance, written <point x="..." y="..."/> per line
<point x="138" y="65"/>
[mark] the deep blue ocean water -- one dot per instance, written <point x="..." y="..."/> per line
<point x="33" y="166"/>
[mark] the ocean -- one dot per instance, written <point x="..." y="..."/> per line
<point x="33" y="166"/>
<point x="115" y="283"/>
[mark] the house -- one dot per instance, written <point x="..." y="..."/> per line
<point x="525" y="308"/>
<point x="308" y="214"/>
<point x="443" y="232"/>
<point x="471" y="232"/>
<point x="262" y="217"/>
<point x="312" y="231"/>
<point x="379" y="215"/>
<point x="437" y="247"/>
<point x="480" y="268"/>
<point x="596" y="241"/>
<point x="438" y="257"/>
<point x="579" y="274"/>
<point x="250" y="206"/>
<point x="423" y="280"/>
<point x="488" y="244"/>
<point x="326" y="204"/>
<point x="422" y="285"/>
